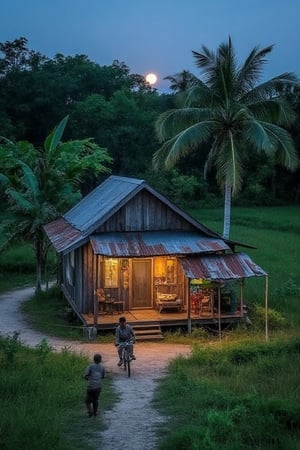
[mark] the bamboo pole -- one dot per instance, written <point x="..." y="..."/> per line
<point x="219" y="311"/>
<point x="266" y="307"/>
<point x="189" y="322"/>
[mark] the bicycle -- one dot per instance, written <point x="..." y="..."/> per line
<point x="126" y="356"/>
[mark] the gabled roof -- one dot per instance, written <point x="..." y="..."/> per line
<point x="106" y="199"/>
<point x="80" y="222"/>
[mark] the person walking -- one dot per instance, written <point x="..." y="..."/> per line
<point x="94" y="374"/>
<point x="124" y="332"/>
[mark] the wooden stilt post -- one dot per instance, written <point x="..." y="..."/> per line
<point x="189" y="308"/>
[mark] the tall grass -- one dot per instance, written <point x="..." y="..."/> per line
<point x="238" y="394"/>
<point x="42" y="398"/>
<point x="233" y="397"/>
<point x="243" y="393"/>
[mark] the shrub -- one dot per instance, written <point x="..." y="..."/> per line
<point x="9" y="346"/>
<point x="276" y="320"/>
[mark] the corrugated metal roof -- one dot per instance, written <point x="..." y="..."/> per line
<point x="112" y="194"/>
<point x="154" y="243"/>
<point x="62" y="235"/>
<point x="101" y="202"/>
<point x="221" y="267"/>
<point x="86" y="216"/>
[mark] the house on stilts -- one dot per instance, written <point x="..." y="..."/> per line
<point x="126" y="249"/>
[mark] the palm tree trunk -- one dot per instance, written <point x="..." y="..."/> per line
<point x="227" y="211"/>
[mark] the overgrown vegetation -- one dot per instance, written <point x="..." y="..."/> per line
<point x="237" y="393"/>
<point x="233" y="397"/>
<point x="42" y="397"/>
<point x="243" y="393"/>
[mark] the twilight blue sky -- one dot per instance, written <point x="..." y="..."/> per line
<point x="156" y="35"/>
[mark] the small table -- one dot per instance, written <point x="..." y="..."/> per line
<point x="119" y="306"/>
<point x="106" y="307"/>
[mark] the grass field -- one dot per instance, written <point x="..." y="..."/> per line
<point x="276" y="234"/>
<point x="239" y="393"/>
<point x="243" y="393"/>
<point x="42" y="398"/>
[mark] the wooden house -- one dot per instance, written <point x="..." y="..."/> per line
<point x="126" y="249"/>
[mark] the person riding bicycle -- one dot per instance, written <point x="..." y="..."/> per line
<point x="124" y="333"/>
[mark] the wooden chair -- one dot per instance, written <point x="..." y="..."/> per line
<point x="206" y="304"/>
<point x="100" y="293"/>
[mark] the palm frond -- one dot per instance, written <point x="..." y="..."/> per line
<point x="277" y="111"/>
<point x="182" y="144"/>
<point x="250" y="72"/>
<point x="206" y="61"/>
<point x="174" y="121"/>
<point x="283" y="146"/>
<point x="229" y="164"/>
<point x="182" y="81"/>
<point x="229" y="107"/>
<point x="200" y="96"/>
<point x="274" y="88"/>
<point x="255" y="134"/>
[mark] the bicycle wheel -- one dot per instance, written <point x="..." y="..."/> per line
<point x="124" y="357"/>
<point x="127" y="362"/>
<point x="128" y="366"/>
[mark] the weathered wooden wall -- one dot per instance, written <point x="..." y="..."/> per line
<point x="145" y="212"/>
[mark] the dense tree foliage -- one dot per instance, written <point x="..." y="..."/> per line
<point x="40" y="184"/>
<point x="117" y="109"/>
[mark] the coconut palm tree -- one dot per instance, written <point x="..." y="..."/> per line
<point x="229" y="110"/>
<point x="181" y="81"/>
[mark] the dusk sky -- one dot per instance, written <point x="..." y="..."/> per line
<point x="156" y="35"/>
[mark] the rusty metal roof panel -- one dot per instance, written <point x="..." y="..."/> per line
<point x="221" y="267"/>
<point x="62" y="235"/>
<point x="154" y="243"/>
<point x="101" y="202"/>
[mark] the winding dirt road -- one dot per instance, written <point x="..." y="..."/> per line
<point x="133" y="424"/>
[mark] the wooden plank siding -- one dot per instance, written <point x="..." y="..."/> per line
<point x="125" y="227"/>
<point x="145" y="212"/>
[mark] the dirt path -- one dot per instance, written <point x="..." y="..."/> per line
<point x="132" y="424"/>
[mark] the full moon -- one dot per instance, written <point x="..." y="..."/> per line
<point x="151" y="78"/>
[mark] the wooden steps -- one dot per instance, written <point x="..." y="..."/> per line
<point x="148" y="331"/>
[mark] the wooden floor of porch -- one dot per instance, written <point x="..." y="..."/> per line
<point x="165" y="319"/>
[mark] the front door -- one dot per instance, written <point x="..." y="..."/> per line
<point x="141" y="283"/>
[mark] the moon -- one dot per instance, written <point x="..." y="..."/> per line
<point x="151" y="78"/>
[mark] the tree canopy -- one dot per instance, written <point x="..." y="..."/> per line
<point x="118" y="110"/>
<point x="40" y="184"/>
<point x="238" y="117"/>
